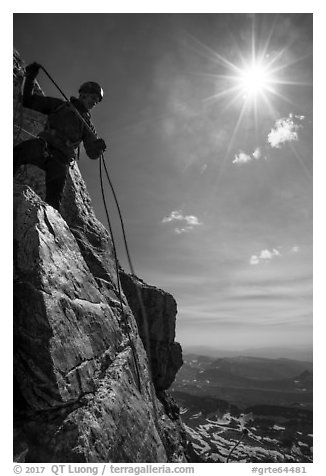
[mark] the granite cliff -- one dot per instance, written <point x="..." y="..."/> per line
<point x="78" y="360"/>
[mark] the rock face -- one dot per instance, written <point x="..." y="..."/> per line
<point x="155" y="312"/>
<point x="83" y="389"/>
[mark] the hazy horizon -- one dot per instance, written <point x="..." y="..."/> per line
<point x="303" y="353"/>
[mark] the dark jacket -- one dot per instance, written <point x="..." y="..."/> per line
<point x="64" y="130"/>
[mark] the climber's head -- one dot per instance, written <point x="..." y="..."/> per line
<point x="90" y="93"/>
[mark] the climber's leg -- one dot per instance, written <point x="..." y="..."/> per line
<point x="29" y="152"/>
<point x="56" y="172"/>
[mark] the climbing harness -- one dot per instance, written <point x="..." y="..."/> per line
<point x="139" y="297"/>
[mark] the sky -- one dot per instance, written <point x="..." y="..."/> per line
<point x="208" y="122"/>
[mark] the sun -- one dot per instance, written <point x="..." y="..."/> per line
<point x="254" y="80"/>
<point x="251" y="85"/>
<point x="249" y="80"/>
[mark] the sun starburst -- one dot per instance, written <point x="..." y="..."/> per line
<point x="255" y="82"/>
<point x="255" y="79"/>
<point x="252" y="86"/>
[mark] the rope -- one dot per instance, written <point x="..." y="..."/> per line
<point x="132" y="270"/>
<point x="26" y="132"/>
<point x="139" y="296"/>
<point x="142" y="307"/>
<point x="118" y="279"/>
<point x="244" y="432"/>
<point x="69" y="102"/>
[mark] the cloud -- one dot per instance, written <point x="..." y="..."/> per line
<point x="186" y="229"/>
<point x="177" y="215"/>
<point x="244" y="158"/>
<point x="285" y="130"/>
<point x="189" y="221"/>
<point x="241" y="158"/>
<point x="301" y="118"/>
<point x="257" y="154"/>
<point x="254" y="259"/>
<point x="264" y="256"/>
<point x="267" y="255"/>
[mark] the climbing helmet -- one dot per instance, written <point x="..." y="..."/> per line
<point x="93" y="88"/>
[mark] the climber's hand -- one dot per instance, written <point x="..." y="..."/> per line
<point x="95" y="148"/>
<point x="32" y="70"/>
<point x="100" y="146"/>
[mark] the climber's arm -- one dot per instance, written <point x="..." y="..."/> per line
<point x="34" y="101"/>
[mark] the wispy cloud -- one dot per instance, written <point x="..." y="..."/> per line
<point x="257" y="154"/>
<point x="264" y="256"/>
<point x="185" y="229"/>
<point x="244" y="158"/>
<point x="177" y="215"/>
<point x="189" y="222"/>
<point x="241" y="158"/>
<point x="285" y="130"/>
<point x="254" y="259"/>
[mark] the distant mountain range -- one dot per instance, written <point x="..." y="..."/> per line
<point x="303" y="353"/>
<point x="267" y="403"/>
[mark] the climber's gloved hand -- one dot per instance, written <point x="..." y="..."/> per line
<point x="95" y="149"/>
<point x="32" y="70"/>
<point x="100" y="146"/>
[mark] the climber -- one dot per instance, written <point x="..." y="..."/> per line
<point x="56" y="146"/>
